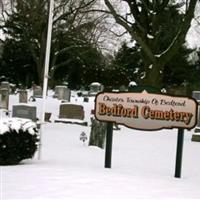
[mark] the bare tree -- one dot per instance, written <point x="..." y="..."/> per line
<point x="194" y="32"/>
<point x="27" y="21"/>
<point x="141" y="22"/>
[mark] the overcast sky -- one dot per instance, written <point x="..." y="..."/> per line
<point x="113" y="43"/>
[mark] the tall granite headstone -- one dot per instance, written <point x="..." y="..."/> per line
<point x="4" y="103"/>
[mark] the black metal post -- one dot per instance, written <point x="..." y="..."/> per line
<point x="179" y="152"/>
<point x="109" y="138"/>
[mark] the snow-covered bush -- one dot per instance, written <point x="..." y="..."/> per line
<point x="18" y="140"/>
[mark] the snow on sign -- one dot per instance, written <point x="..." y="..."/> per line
<point x="145" y="111"/>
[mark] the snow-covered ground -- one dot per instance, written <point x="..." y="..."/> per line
<point x="143" y="164"/>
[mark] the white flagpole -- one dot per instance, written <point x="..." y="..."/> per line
<point x="46" y="71"/>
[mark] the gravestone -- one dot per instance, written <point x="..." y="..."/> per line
<point x="37" y="92"/>
<point x="62" y="93"/>
<point x="198" y="117"/>
<point x="23" y="96"/>
<point x="95" y="88"/>
<point x="4" y="98"/>
<point x="71" y="111"/>
<point x="5" y="85"/>
<point x="56" y="92"/>
<point x="97" y="133"/>
<point x="85" y="99"/>
<point x="67" y="96"/>
<point x="196" y="95"/>
<point x="13" y="88"/>
<point x="47" y="117"/>
<point x="24" y="111"/>
<point x="196" y="135"/>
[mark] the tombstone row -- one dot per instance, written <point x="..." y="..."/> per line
<point x="61" y="92"/>
<point x="67" y="113"/>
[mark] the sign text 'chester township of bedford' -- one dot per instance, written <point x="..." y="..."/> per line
<point x="146" y="111"/>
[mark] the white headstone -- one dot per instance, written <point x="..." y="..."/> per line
<point x="62" y="93"/>
<point x="95" y="88"/>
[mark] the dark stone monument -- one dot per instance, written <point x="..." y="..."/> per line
<point x="98" y="133"/>
<point x="196" y="137"/>
<point x="85" y="99"/>
<point x="47" y="117"/>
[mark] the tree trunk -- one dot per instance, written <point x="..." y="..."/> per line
<point x="153" y="76"/>
<point x="143" y="25"/>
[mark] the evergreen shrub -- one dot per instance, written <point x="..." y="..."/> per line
<point x="18" y="141"/>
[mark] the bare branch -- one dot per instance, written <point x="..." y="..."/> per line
<point x="118" y="35"/>
<point x="131" y="30"/>
<point x="180" y="37"/>
<point x="73" y="10"/>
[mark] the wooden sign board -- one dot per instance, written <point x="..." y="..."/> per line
<point x="146" y="111"/>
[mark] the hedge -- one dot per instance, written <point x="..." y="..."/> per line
<point x="18" y="140"/>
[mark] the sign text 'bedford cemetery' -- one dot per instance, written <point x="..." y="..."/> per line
<point x="145" y="111"/>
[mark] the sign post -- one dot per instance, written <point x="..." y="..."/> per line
<point x="179" y="152"/>
<point x="109" y="138"/>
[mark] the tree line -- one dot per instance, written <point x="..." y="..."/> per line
<point x="158" y="56"/>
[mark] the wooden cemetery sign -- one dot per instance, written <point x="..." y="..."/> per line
<point x="146" y="111"/>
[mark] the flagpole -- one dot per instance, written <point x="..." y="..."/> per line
<point x="46" y="71"/>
